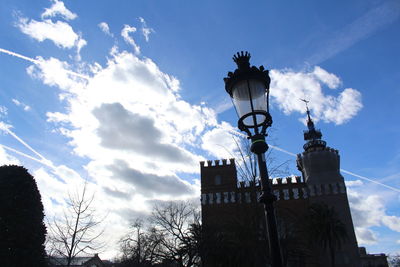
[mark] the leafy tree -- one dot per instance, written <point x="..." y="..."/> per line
<point x="22" y="231"/>
<point x="325" y="229"/>
<point x="77" y="232"/>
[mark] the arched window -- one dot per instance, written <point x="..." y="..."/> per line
<point x="218" y="180"/>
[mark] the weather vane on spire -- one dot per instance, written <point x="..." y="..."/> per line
<point x="308" y="111"/>
<point x="312" y="135"/>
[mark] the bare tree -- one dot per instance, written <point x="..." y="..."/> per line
<point x="77" y="232"/>
<point x="394" y="260"/>
<point x="175" y="220"/>
<point x="247" y="166"/>
<point x="140" y="245"/>
<point x="172" y="236"/>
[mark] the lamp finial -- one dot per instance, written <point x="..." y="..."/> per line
<point x="242" y="59"/>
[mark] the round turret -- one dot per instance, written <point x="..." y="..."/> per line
<point x="320" y="165"/>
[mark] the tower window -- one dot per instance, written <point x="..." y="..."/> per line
<point x="218" y="180"/>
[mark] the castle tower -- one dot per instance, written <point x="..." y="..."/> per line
<point x="319" y="164"/>
<point x="320" y="167"/>
<point x="218" y="188"/>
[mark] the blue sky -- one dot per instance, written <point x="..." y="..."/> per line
<point x="129" y="95"/>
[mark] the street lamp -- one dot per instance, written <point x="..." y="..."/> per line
<point x="248" y="88"/>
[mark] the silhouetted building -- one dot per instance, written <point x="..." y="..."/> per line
<point x="231" y="205"/>
<point x="94" y="261"/>
<point x="372" y="260"/>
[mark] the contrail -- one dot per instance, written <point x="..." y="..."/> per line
<point x="25" y="155"/>
<point x="282" y="150"/>
<point x="42" y="159"/>
<point x="370" y="180"/>
<point x="22" y="142"/>
<point x="19" y="56"/>
<point x="40" y="62"/>
<point x="295" y="155"/>
<point x="369" y="23"/>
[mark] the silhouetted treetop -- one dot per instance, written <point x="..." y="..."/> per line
<point x="22" y="231"/>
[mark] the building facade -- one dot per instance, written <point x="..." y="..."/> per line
<point x="228" y="203"/>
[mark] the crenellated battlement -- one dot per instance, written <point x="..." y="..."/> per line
<point x="217" y="162"/>
<point x="314" y="149"/>
<point x="291" y="189"/>
<point x="288" y="180"/>
<point x="296" y="180"/>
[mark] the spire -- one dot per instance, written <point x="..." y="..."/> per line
<point x="312" y="135"/>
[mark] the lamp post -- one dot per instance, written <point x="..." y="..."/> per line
<point x="248" y="88"/>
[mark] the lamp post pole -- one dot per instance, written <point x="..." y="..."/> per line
<point x="248" y="88"/>
<point x="268" y="199"/>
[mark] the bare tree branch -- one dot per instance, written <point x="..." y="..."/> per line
<point x="77" y="232"/>
<point x="168" y="238"/>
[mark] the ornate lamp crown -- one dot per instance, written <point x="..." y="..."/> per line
<point x="245" y="72"/>
<point x="242" y="59"/>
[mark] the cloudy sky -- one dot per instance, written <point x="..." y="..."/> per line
<point x="129" y="96"/>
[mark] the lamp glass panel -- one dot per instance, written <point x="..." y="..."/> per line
<point x="241" y="93"/>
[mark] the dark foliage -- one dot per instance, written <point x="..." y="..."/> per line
<point x="234" y="246"/>
<point x="22" y="231"/>
<point x="325" y="229"/>
<point x="291" y="237"/>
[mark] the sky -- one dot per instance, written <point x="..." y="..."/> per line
<point x="129" y="96"/>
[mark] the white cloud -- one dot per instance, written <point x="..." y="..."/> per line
<point x="79" y="45"/>
<point x="61" y="33"/>
<point x="219" y="143"/>
<point x="368" y="210"/>
<point x="58" y="8"/>
<point x="129" y="114"/>
<point x="330" y="79"/>
<point x="105" y="28"/>
<point x="146" y="31"/>
<point x="7" y="159"/>
<point x="4" y="126"/>
<point x="125" y="34"/>
<point x="54" y="72"/>
<point x="20" y="104"/>
<point x="288" y="87"/>
<point x="223" y="105"/>
<point x="3" y="111"/>
<point x="393" y="222"/>
<point x="365" y="236"/>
